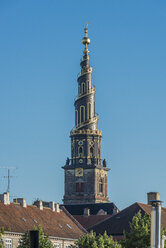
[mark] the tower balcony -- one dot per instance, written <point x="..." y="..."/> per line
<point x="85" y="131"/>
<point x="90" y="91"/>
<point x="86" y="123"/>
<point x="92" y="162"/>
<point x="80" y="74"/>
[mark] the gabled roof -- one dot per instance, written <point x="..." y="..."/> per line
<point x="20" y="219"/>
<point x="88" y="221"/>
<point x="78" y="209"/>
<point x="117" y="224"/>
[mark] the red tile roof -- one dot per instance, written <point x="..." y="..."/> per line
<point x="91" y="220"/>
<point x="20" y="219"/>
<point x="117" y="224"/>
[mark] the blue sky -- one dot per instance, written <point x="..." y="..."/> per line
<point x="40" y="51"/>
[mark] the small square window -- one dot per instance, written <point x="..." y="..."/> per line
<point x="8" y="243"/>
<point x="68" y="246"/>
<point x="56" y="245"/>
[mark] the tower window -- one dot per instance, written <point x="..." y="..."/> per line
<point x="83" y="88"/>
<point x="80" y="149"/>
<point x="82" y="114"/>
<point x="79" y="187"/>
<point x="99" y="152"/>
<point x="88" y="85"/>
<point x="91" y="152"/>
<point x="76" y="117"/>
<point x="101" y="186"/>
<point x="89" y="110"/>
<point x="72" y="151"/>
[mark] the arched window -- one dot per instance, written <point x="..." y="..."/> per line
<point x="72" y="151"/>
<point x="80" y="149"/>
<point x="100" y="186"/>
<point x="76" y="117"/>
<point x="91" y="152"/>
<point x="79" y="90"/>
<point x="99" y="152"/>
<point x="83" y="88"/>
<point x="89" y="111"/>
<point x="88" y="86"/>
<point x="82" y="114"/>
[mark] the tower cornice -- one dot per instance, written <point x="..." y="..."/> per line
<point x="86" y="132"/>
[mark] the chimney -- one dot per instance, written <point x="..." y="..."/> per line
<point x="39" y="204"/>
<point x="57" y="208"/>
<point x="21" y="201"/>
<point x="52" y="206"/>
<point x="86" y="212"/>
<point x="151" y="196"/>
<point x="155" y="238"/>
<point x="4" y="198"/>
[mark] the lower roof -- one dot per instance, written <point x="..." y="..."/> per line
<point x="117" y="224"/>
<point x="88" y="221"/>
<point x="19" y="219"/>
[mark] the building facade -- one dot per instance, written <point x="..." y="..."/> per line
<point x="85" y="172"/>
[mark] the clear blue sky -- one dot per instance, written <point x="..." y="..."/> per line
<point x="40" y="51"/>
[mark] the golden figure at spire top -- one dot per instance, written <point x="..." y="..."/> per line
<point x="86" y="39"/>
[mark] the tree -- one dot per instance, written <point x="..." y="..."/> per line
<point x="139" y="235"/>
<point x="44" y="242"/>
<point x="1" y="232"/>
<point x="163" y="232"/>
<point x="91" y="241"/>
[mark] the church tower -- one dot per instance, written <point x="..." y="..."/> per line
<point x="85" y="172"/>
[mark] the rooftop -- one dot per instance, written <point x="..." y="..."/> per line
<point x="117" y="224"/>
<point x="19" y="219"/>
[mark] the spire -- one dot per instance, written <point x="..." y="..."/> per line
<point x="85" y="116"/>
<point x="86" y="40"/>
<point x="85" y="172"/>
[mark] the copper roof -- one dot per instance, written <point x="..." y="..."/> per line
<point x="19" y="219"/>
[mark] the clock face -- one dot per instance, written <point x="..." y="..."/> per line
<point x="79" y="172"/>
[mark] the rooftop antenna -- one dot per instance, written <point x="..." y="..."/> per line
<point x="8" y="176"/>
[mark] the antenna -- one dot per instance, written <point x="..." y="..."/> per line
<point x="8" y="176"/>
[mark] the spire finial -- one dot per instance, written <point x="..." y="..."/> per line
<point x="86" y="30"/>
<point x="86" y="40"/>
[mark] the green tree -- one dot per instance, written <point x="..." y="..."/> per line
<point x="91" y="241"/>
<point x="139" y="235"/>
<point x="44" y="242"/>
<point x="163" y="232"/>
<point x="1" y="232"/>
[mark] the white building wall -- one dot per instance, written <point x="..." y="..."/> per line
<point x="14" y="237"/>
